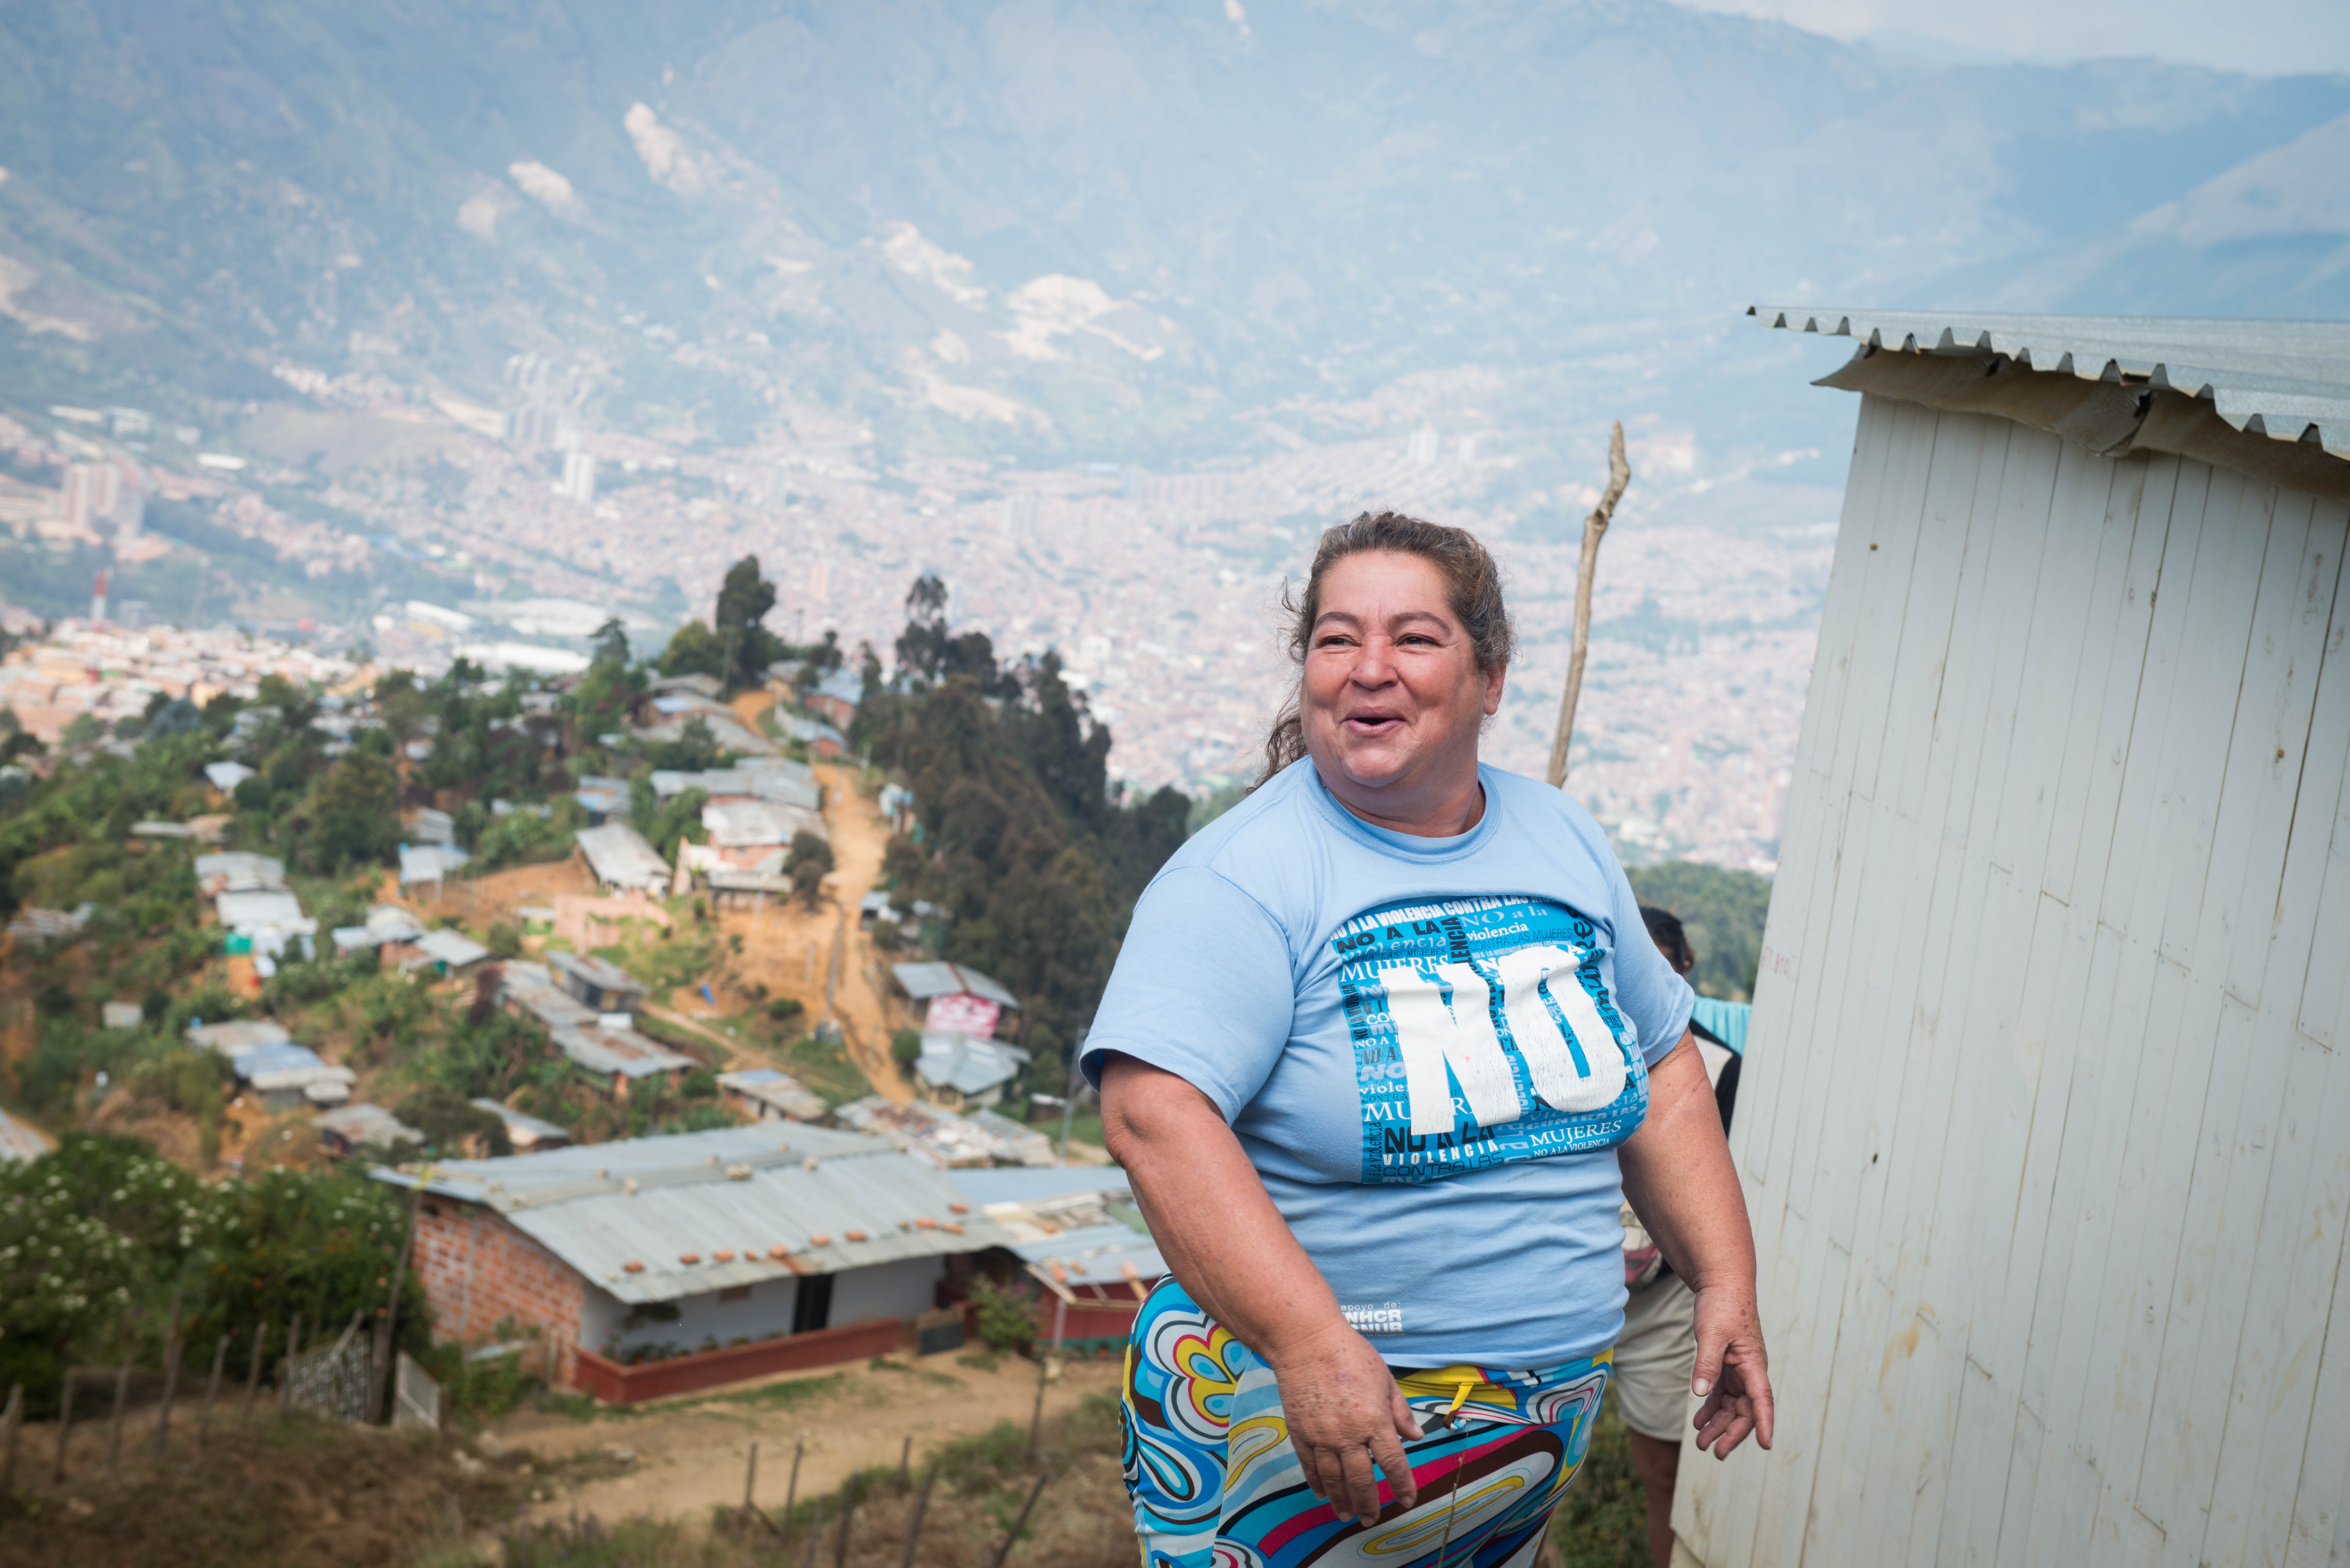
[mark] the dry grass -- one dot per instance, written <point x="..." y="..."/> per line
<point x="297" y="1492"/>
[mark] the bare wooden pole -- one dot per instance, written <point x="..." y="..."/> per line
<point x="792" y="1487"/>
<point x="1619" y="475"/>
<point x="914" y="1525"/>
<point x="114" y="1426"/>
<point x="815" y="1531"/>
<point x="170" y="1377"/>
<point x="379" y="1369"/>
<point x="13" y="1417"/>
<point x="65" y="1423"/>
<point x="1036" y="1418"/>
<point x="211" y="1385"/>
<point x="253" y="1374"/>
<point x="286" y="1365"/>
<point x="1020" y="1523"/>
<point x="848" y="1514"/>
<point x="905" y="1462"/>
<point x="751" y="1476"/>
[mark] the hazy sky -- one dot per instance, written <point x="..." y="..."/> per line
<point x="2284" y="36"/>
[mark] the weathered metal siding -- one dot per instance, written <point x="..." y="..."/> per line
<point x="2046" y="1128"/>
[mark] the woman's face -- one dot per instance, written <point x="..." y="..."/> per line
<point x="1393" y="695"/>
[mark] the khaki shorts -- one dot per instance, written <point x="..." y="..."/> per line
<point x="1657" y="1358"/>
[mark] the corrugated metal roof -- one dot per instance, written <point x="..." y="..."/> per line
<point x="747" y="1204"/>
<point x="522" y="1121"/>
<point x="21" y="1141"/>
<point x="237" y="1036"/>
<point x="2289" y="380"/>
<point x="968" y="1064"/>
<point x="925" y="981"/>
<point x="1014" y="1184"/>
<point x="619" y="856"/>
<point x="1097" y="1255"/>
<point x="454" y="949"/>
<point x="621" y="1050"/>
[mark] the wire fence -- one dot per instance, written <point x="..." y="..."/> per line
<point x="343" y="1379"/>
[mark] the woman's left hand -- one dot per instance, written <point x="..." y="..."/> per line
<point x="1681" y="1181"/>
<point x="1734" y="1371"/>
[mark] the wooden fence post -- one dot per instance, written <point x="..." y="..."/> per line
<point x="792" y="1489"/>
<point x="914" y="1525"/>
<point x="815" y="1531"/>
<point x="381" y="1361"/>
<point x="1020" y="1523"/>
<point x="253" y="1374"/>
<point x="751" y="1477"/>
<point x="848" y="1514"/>
<point x="65" y="1423"/>
<point x="905" y="1462"/>
<point x="285" y="1371"/>
<point x="1036" y="1418"/>
<point x="15" y="1418"/>
<point x="211" y="1387"/>
<point x="114" y="1426"/>
<point x="171" y="1376"/>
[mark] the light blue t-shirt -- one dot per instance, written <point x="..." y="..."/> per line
<point x="1429" y="1047"/>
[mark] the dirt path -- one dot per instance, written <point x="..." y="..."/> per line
<point x="790" y="949"/>
<point x="689" y="1455"/>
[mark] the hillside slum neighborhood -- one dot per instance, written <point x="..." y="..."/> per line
<point x="818" y="1224"/>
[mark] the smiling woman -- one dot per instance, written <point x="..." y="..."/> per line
<point x="1386" y="1047"/>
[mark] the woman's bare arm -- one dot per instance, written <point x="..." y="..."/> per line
<point x="1220" y="1232"/>
<point x="1678" y="1178"/>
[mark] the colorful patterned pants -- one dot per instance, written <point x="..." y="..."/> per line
<point x="1216" y="1484"/>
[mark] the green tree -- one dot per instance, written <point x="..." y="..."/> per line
<point x="611" y="643"/>
<point x="1722" y="911"/>
<point x="354" y="815"/>
<point x="738" y="622"/>
<point x="809" y="862"/>
<point x="693" y="650"/>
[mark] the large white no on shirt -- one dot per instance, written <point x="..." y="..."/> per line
<point x="1443" y="1018"/>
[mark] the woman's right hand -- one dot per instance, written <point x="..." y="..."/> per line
<point x="1345" y="1416"/>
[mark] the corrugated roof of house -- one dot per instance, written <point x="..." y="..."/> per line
<point x="925" y="981"/>
<point x="21" y="1141"/>
<point x="454" y="949"/>
<point x="619" y="856"/>
<point x="967" y="1064"/>
<point x="777" y="1201"/>
<point x="2288" y="380"/>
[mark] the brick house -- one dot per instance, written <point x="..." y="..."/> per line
<point x="670" y="1263"/>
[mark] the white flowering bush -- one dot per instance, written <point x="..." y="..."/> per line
<point x="96" y="1237"/>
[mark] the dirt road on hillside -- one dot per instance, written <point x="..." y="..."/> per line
<point x="791" y="949"/>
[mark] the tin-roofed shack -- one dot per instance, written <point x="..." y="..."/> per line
<point x="659" y="1265"/>
<point x="2043" y="1124"/>
<point x="619" y="857"/>
<point x="955" y="999"/>
<point x="767" y="1094"/>
<point x="596" y="984"/>
<point x="595" y="1041"/>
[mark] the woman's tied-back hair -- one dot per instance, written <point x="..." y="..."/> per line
<point x="1472" y="582"/>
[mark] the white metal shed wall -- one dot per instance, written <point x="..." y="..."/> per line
<point x="2046" y="1127"/>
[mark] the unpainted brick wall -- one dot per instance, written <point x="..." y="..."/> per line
<point x="477" y="1269"/>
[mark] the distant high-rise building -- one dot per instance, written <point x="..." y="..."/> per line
<point x="578" y="480"/>
<point x="1423" y="448"/>
<point x="536" y="427"/>
<point x="99" y="492"/>
<point x="98" y="601"/>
